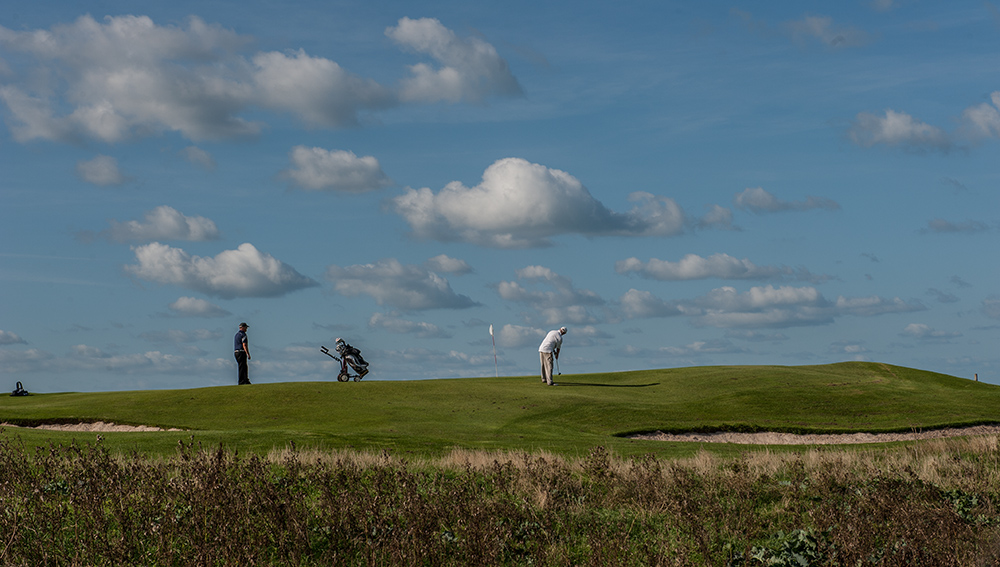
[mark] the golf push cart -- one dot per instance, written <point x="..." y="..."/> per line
<point x="350" y="357"/>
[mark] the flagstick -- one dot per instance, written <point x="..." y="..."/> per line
<point x="495" y="368"/>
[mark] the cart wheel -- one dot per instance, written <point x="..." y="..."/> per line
<point x="357" y="378"/>
<point x="342" y="377"/>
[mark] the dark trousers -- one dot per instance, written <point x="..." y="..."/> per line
<point x="244" y="369"/>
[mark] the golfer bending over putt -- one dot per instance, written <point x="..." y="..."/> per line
<point x="547" y="350"/>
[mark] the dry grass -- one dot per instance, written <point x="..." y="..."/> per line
<point x="929" y="503"/>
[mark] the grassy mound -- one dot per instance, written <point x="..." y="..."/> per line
<point x="519" y="413"/>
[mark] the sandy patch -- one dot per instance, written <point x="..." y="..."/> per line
<point x="772" y="438"/>
<point x="99" y="426"/>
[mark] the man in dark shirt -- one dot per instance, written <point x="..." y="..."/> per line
<point x="242" y="352"/>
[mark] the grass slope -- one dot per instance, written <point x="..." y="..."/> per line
<point x="433" y="416"/>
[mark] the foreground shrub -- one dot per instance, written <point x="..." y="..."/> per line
<point x="927" y="504"/>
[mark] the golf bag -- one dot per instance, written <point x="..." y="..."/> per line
<point x="19" y="391"/>
<point x="349" y="357"/>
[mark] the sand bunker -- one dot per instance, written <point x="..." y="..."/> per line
<point x="98" y="426"/>
<point x="772" y="438"/>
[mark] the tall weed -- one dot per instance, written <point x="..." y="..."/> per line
<point x="922" y="504"/>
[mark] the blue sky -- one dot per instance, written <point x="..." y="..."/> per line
<point x="678" y="183"/>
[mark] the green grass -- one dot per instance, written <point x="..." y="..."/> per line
<point x="431" y="417"/>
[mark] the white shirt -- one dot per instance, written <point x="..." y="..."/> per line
<point x="552" y="342"/>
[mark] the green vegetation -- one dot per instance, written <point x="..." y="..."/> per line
<point x="432" y="417"/>
<point x="931" y="503"/>
<point x="508" y="472"/>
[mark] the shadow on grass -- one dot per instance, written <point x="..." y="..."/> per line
<point x="561" y="384"/>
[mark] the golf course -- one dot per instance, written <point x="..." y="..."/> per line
<point x="506" y="471"/>
<point x="431" y="417"/>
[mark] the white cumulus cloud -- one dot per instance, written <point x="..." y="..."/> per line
<point x="164" y="223"/>
<point x="520" y="204"/>
<point x="123" y="77"/>
<point x="469" y="68"/>
<point x="897" y="129"/>
<point x="244" y="272"/>
<point x="335" y="170"/>
<point x="983" y="120"/>
<point x="316" y="89"/>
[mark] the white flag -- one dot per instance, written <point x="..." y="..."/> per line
<point x="491" y="330"/>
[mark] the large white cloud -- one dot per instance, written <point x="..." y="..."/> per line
<point x="403" y="287"/>
<point x="335" y="170"/>
<point x="244" y="272"/>
<point x="520" y="204"/>
<point x="470" y="69"/>
<point x="164" y="223"/>
<point x="724" y="266"/>
<point x="126" y="76"/>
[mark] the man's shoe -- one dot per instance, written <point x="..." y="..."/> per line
<point x="553" y="384"/>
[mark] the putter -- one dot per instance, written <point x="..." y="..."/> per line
<point x="559" y="372"/>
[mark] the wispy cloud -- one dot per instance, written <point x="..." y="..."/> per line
<point x="102" y="171"/>
<point x="194" y="307"/>
<point x="403" y="287"/>
<point x="398" y="325"/>
<point x="9" y="338"/>
<point x="553" y="298"/>
<point x="722" y="266"/>
<point x="758" y="201"/>
<point x="941" y="226"/>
